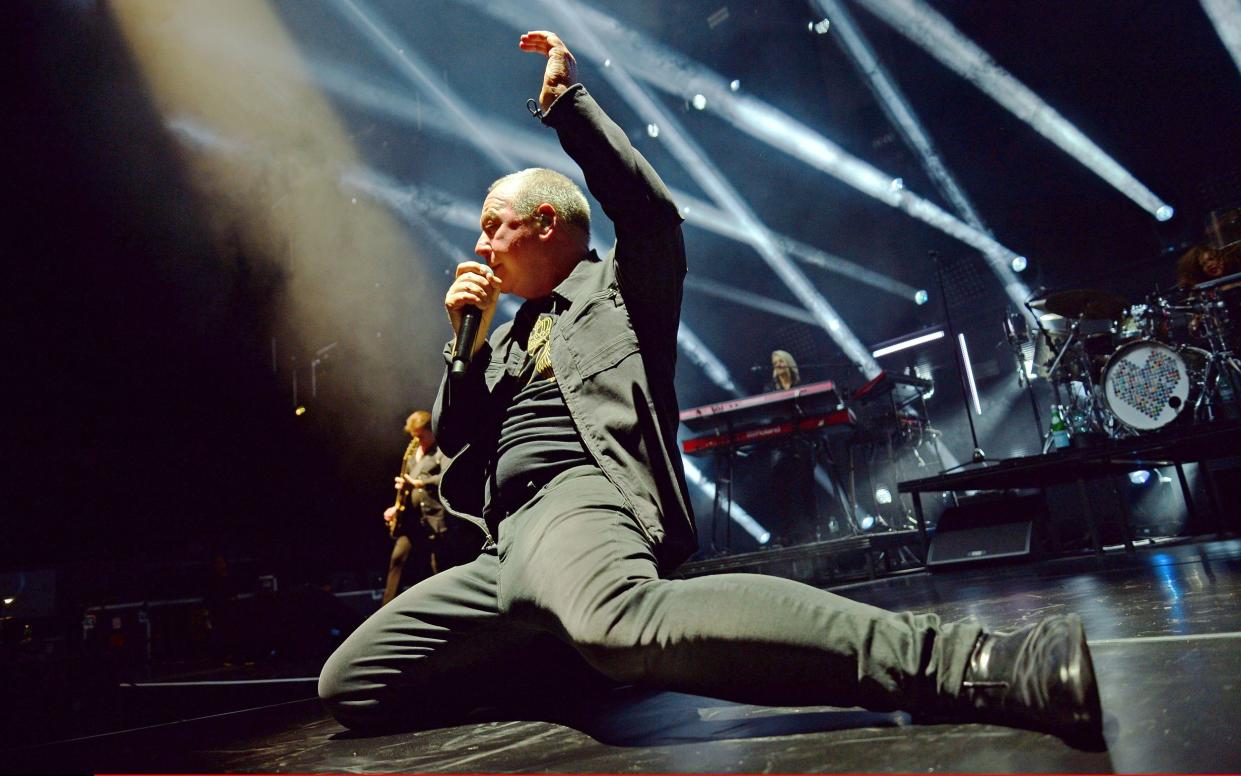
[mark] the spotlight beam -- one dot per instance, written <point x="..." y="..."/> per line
<point x="713" y="219"/>
<point x="902" y="116"/>
<point x="747" y="299"/>
<point x="697" y="352"/>
<point x="535" y="148"/>
<point x="736" y="512"/>
<point x="710" y="179"/>
<point x="898" y="109"/>
<point x="927" y="29"/>
<point x="674" y="73"/>
<point x="1225" y="16"/>
<point x="385" y="42"/>
<point x="388" y="43"/>
<point x="509" y="140"/>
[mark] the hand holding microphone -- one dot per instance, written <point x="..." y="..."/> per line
<point x="471" y="304"/>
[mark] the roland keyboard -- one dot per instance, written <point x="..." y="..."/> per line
<point x="765" y="408"/>
<point x="842" y="420"/>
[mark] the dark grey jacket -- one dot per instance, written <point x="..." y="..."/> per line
<point x="613" y="350"/>
<point x="426" y="498"/>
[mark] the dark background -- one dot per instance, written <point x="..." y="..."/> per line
<point x="148" y="422"/>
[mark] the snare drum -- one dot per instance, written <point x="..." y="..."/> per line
<point x="1146" y="384"/>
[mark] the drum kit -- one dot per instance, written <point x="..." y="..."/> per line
<point x="1119" y="369"/>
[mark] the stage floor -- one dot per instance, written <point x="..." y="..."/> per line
<point x="1164" y="626"/>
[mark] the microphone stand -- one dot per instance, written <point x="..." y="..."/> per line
<point x="978" y="456"/>
<point x="1023" y="379"/>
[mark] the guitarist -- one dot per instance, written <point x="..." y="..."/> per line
<point x="417" y="515"/>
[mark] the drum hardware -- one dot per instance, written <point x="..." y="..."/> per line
<point x="1221" y="370"/>
<point x="1081" y="332"/>
<point x="1076" y="377"/>
<point x="1152" y="320"/>
<point x="1119" y="370"/>
<point x="1019" y="335"/>
<point x="1085" y="304"/>
<point x="1219" y="385"/>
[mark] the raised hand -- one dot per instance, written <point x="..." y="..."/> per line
<point x="561" y="70"/>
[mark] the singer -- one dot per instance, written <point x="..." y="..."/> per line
<point x="563" y="437"/>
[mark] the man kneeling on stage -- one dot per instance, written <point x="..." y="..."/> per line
<point x="564" y="436"/>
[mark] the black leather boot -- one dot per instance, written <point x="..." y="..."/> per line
<point x="1038" y="677"/>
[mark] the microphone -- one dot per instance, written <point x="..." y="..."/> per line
<point x="471" y="317"/>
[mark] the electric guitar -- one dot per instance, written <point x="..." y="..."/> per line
<point x="402" y="502"/>
<point x="403" y="493"/>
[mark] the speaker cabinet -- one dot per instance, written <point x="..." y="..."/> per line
<point x="987" y="528"/>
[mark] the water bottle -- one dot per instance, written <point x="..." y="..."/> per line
<point x="1059" y="431"/>
<point x="1228" y="395"/>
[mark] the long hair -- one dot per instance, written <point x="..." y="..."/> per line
<point x="1189" y="270"/>
<point x="1189" y="267"/>
<point x="794" y="372"/>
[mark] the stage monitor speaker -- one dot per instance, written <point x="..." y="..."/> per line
<point x="987" y="528"/>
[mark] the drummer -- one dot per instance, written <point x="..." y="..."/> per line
<point x="1205" y="262"/>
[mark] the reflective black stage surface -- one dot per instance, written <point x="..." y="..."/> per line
<point x="1164" y="624"/>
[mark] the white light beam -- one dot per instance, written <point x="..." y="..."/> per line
<point x="1225" y="15"/>
<point x="695" y="162"/>
<point x="386" y="44"/>
<point x="368" y="92"/>
<point x="739" y="516"/>
<point x="926" y="28"/>
<point x="747" y="299"/>
<point x="674" y="73"/>
<point x="901" y="113"/>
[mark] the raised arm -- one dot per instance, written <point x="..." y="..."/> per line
<point x="650" y="255"/>
<point x="632" y="195"/>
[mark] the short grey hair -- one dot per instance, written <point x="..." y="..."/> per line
<point x="536" y="185"/>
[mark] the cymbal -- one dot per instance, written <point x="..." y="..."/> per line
<point x="1086" y="303"/>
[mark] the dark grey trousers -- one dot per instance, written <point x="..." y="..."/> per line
<point x="573" y="564"/>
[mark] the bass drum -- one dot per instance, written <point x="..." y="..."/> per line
<point x="1146" y="384"/>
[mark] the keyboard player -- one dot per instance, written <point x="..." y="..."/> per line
<point x="793" y="512"/>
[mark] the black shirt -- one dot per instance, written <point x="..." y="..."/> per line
<point x="537" y="437"/>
